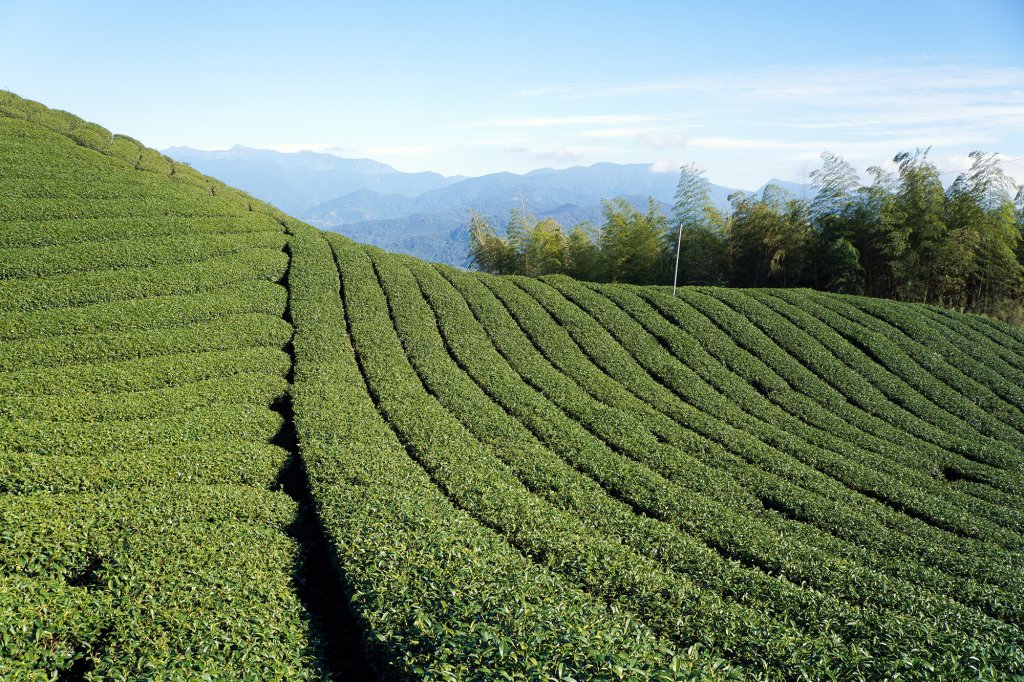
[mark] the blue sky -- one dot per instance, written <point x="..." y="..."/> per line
<point x="748" y="90"/>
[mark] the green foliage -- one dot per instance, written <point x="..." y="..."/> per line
<point x="487" y="251"/>
<point x="143" y="533"/>
<point x="899" y="237"/>
<point x="516" y="477"/>
<point x="842" y="263"/>
<point x="980" y="215"/>
<point x="69" y="232"/>
<point x="628" y="247"/>
<point x="631" y="241"/>
<point x="703" y="256"/>
<point x="529" y="246"/>
<point x="584" y="254"/>
<point x="49" y="261"/>
<point x="88" y="288"/>
<point x="196" y="463"/>
<point x="462" y="603"/>
<point x="126" y="149"/>
<point x="769" y="238"/>
<point x="546" y="249"/>
<point x="255" y="296"/>
<point x="698" y="244"/>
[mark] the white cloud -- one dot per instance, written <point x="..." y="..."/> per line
<point x="664" y="166"/>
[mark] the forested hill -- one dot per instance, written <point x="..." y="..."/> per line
<point x="235" y="446"/>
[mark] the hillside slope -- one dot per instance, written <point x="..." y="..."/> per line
<point x="790" y="480"/>
<point x="143" y="448"/>
<point x="536" y="479"/>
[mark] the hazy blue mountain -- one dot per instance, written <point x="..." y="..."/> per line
<point x="546" y="188"/>
<point x="359" y="206"/>
<point x="427" y="214"/>
<point x="542" y="193"/>
<point x="296" y="181"/>
<point x="268" y="157"/>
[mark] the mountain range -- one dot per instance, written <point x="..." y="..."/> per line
<point x="427" y="214"/>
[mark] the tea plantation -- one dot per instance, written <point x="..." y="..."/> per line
<point x="235" y="447"/>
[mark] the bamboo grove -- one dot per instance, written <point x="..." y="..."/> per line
<point x="509" y="477"/>
<point x="903" y="236"/>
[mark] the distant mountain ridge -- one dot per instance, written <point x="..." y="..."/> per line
<point x="426" y="214"/>
<point x="296" y="181"/>
<point x="301" y="159"/>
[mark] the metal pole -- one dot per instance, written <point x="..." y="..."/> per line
<point x="679" y="244"/>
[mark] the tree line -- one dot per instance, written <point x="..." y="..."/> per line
<point x="903" y="236"/>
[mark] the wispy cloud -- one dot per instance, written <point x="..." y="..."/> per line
<point x="323" y="148"/>
<point x="615" y="133"/>
<point x="872" y="97"/>
<point x="647" y="137"/>
<point x="561" y="155"/>
<point x="554" y="121"/>
<point x="804" y="83"/>
<point x="660" y="139"/>
<point x="876" y="149"/>
<point x="399" y="150"/>
<point x="730" y="143"/>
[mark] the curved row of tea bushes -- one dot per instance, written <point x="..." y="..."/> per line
<point x="959" y="372"/>
<point x="82" y="289"/>
<point x="226" y="333"/>
<point x="859" y="468"/>
<point x="148" y="313"/>
<point x="145" y="374"/>
<point x="195" y="462"/>
<point x="415" y="340"/>
<point x="900" y="377"/>
<point x="849" y="460"/>
<point x="778" y="480"/>
<point x="240" y="389"/>
<point x="51" y="261"/>
<point x="861" y="521"/>
<point x="56" y="232"/>
<point x="750" y="587"/>
<point x="749" y="326"/>
<point x="518" y="424"/>
<point x="833" y="364"/>
<point x="1003" y="339"/>
<point x="922" y="446"/>
<point x="440" y="595"/>
<point x="144" y="531"/>
<point x="469" y="472"/>
<point x="769" y="477"/>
